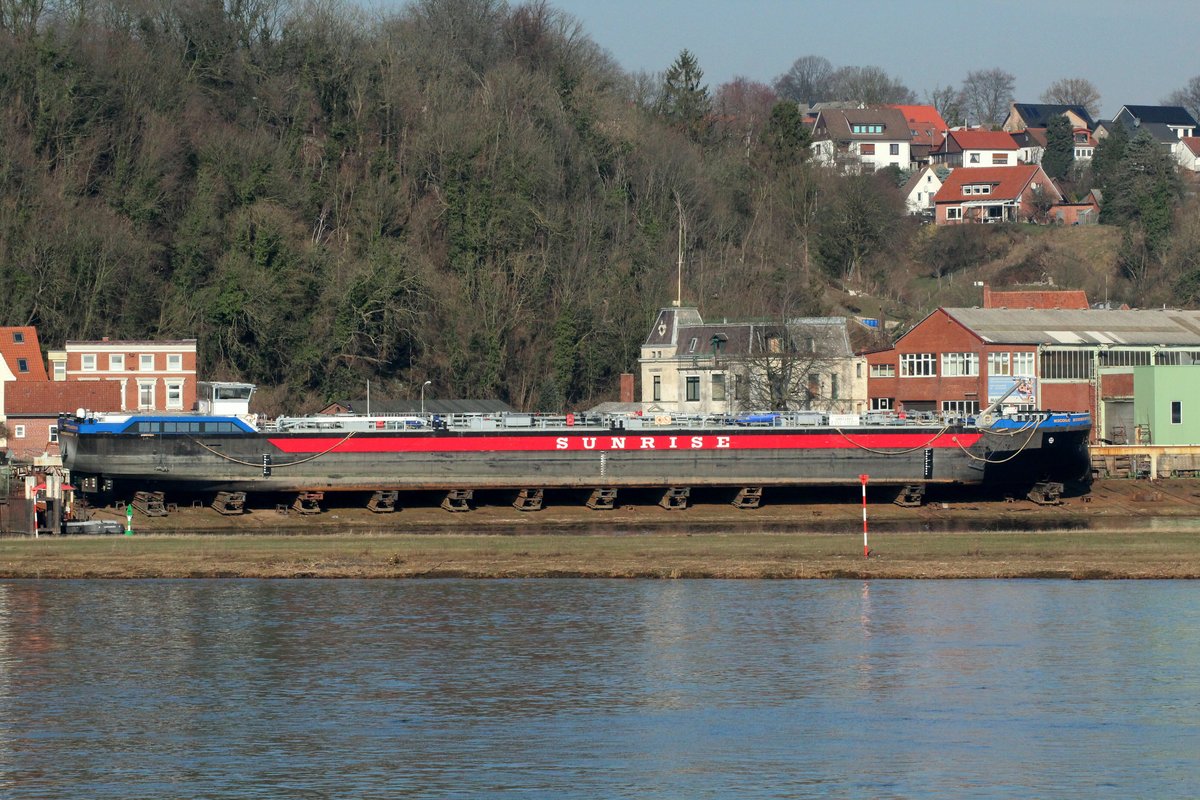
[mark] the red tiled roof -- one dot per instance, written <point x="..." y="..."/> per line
<point x="61" y="397"/>
<point x="1007" y="183"/>
<point x="925" y="122"/>
<point x="1062" y="298"/>
<point x="1192" y="143"/>
<point x="13" y="352"/>
<point x="984" y="140"/>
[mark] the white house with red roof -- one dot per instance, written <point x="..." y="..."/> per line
<point x="993" y="194"/>
<point x="975" y="147"/>
<point x="928" y="129"/>
<point x="1188" y="153"/>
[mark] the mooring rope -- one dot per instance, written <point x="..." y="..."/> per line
<point x="313" y="457"/>
<point x="892" y="452"/>
<point x="986" y="460"/>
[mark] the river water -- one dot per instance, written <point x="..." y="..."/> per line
<point x="599" y="689"/>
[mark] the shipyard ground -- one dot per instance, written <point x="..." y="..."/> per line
<point x="1120" y="529"/>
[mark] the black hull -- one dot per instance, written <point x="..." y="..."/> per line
<point x="463" y="460"/>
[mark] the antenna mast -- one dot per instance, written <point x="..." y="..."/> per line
<point x="679" y="264"/>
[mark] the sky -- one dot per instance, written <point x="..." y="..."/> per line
<point x="1134" y="52"/>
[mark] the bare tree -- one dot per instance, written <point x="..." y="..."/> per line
<point x="869" y="85"/>
<point x="1074" y="92"/>
<point x="1188" y="97"/>
<point x="743" y="107"/>
<point x="987" y="94"/>
<point x="796" y="365"/>
<point x="807" y="81"/>
<point x="949" y="103"/>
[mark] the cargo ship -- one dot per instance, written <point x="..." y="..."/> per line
<point x="222" y="448"/>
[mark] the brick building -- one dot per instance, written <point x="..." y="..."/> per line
<point x="961" y="360"/>
<point x="151" y="375"/>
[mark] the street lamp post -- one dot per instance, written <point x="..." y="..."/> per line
<point x="423" y="385"/>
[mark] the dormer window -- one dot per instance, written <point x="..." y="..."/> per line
<point x="977" y="188"/>
<point x="863" y="128"/>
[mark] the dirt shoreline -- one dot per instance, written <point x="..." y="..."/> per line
<point x="1120" y="530"/>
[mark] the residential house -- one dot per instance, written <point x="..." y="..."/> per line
<point x="861" y="140"/>
<point x="994" y="194"/>
<point x="921" y="187"/>
<point x="1031" y="144"/>
<point x="1176" y="119"/>
<point x="152" y="375"/>
<point x="975" y="147"/>
<point x="1085" y="144"/>
<point x="32" y="409"/>
<point x="20" y="362"/>
<point x="1167" y="125"/>
<point x="928" y="129"/>
<point x="962" y="360"/>
<point x="689" y="366"/>
<point x="1188" y="155"/>
<point x="1036" y="115"/>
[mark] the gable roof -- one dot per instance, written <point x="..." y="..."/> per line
<point x="1163" y="115"/>
<point x="19" y="346"/>
<point x="1079" y="327"/>
<point x="1192" y="143"/>
<point x="1008" y="183"/>
<point x="51" y="398"/>
<point x="924" y="123"/>
<point x="1036" y="115"/>
<point x="837" y="124"/>
<point x="979" y="139"/>
<point x="1030" y="137"/>
<point x="918" y="179"/>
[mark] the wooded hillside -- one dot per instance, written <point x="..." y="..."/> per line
<point x="464" y="192"/>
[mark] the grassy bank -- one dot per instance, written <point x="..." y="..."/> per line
<point x="1074" y="554"/>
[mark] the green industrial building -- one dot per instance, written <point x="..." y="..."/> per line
<point x="1166" y="404"/>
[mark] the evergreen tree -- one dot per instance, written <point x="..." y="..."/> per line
<point x="1060" y="148"/>
<point x="685" y="102"/>
<point x="1109" y="153"/>
<point x="786" y="137"/>
<point x="1144" y="190"/>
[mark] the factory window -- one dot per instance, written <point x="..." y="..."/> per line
<point x="956" y="365"/>
<point x="1023" y="364"/>
<point x="999" y="364"/>
<point x="1124" y="358"/>
<point x="657" y="390"/>
<point x="1176" y="412"/>
<point x="718" y="386"/>
<point x="962" y="408"/>
<point x="883" y="370"/>
<point x="1064" y="364"/>
<point x="693" y="388"/>
<point x="918" y="365"/>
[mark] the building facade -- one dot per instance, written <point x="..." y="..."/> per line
<point x="688" y="366"/>
<point x="963" y="360"/>
<point x="151" y="375"/>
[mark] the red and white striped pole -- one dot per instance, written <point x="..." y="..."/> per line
<point x="866" y="549"/>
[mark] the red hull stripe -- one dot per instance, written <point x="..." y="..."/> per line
<point x="369" y="443"/>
